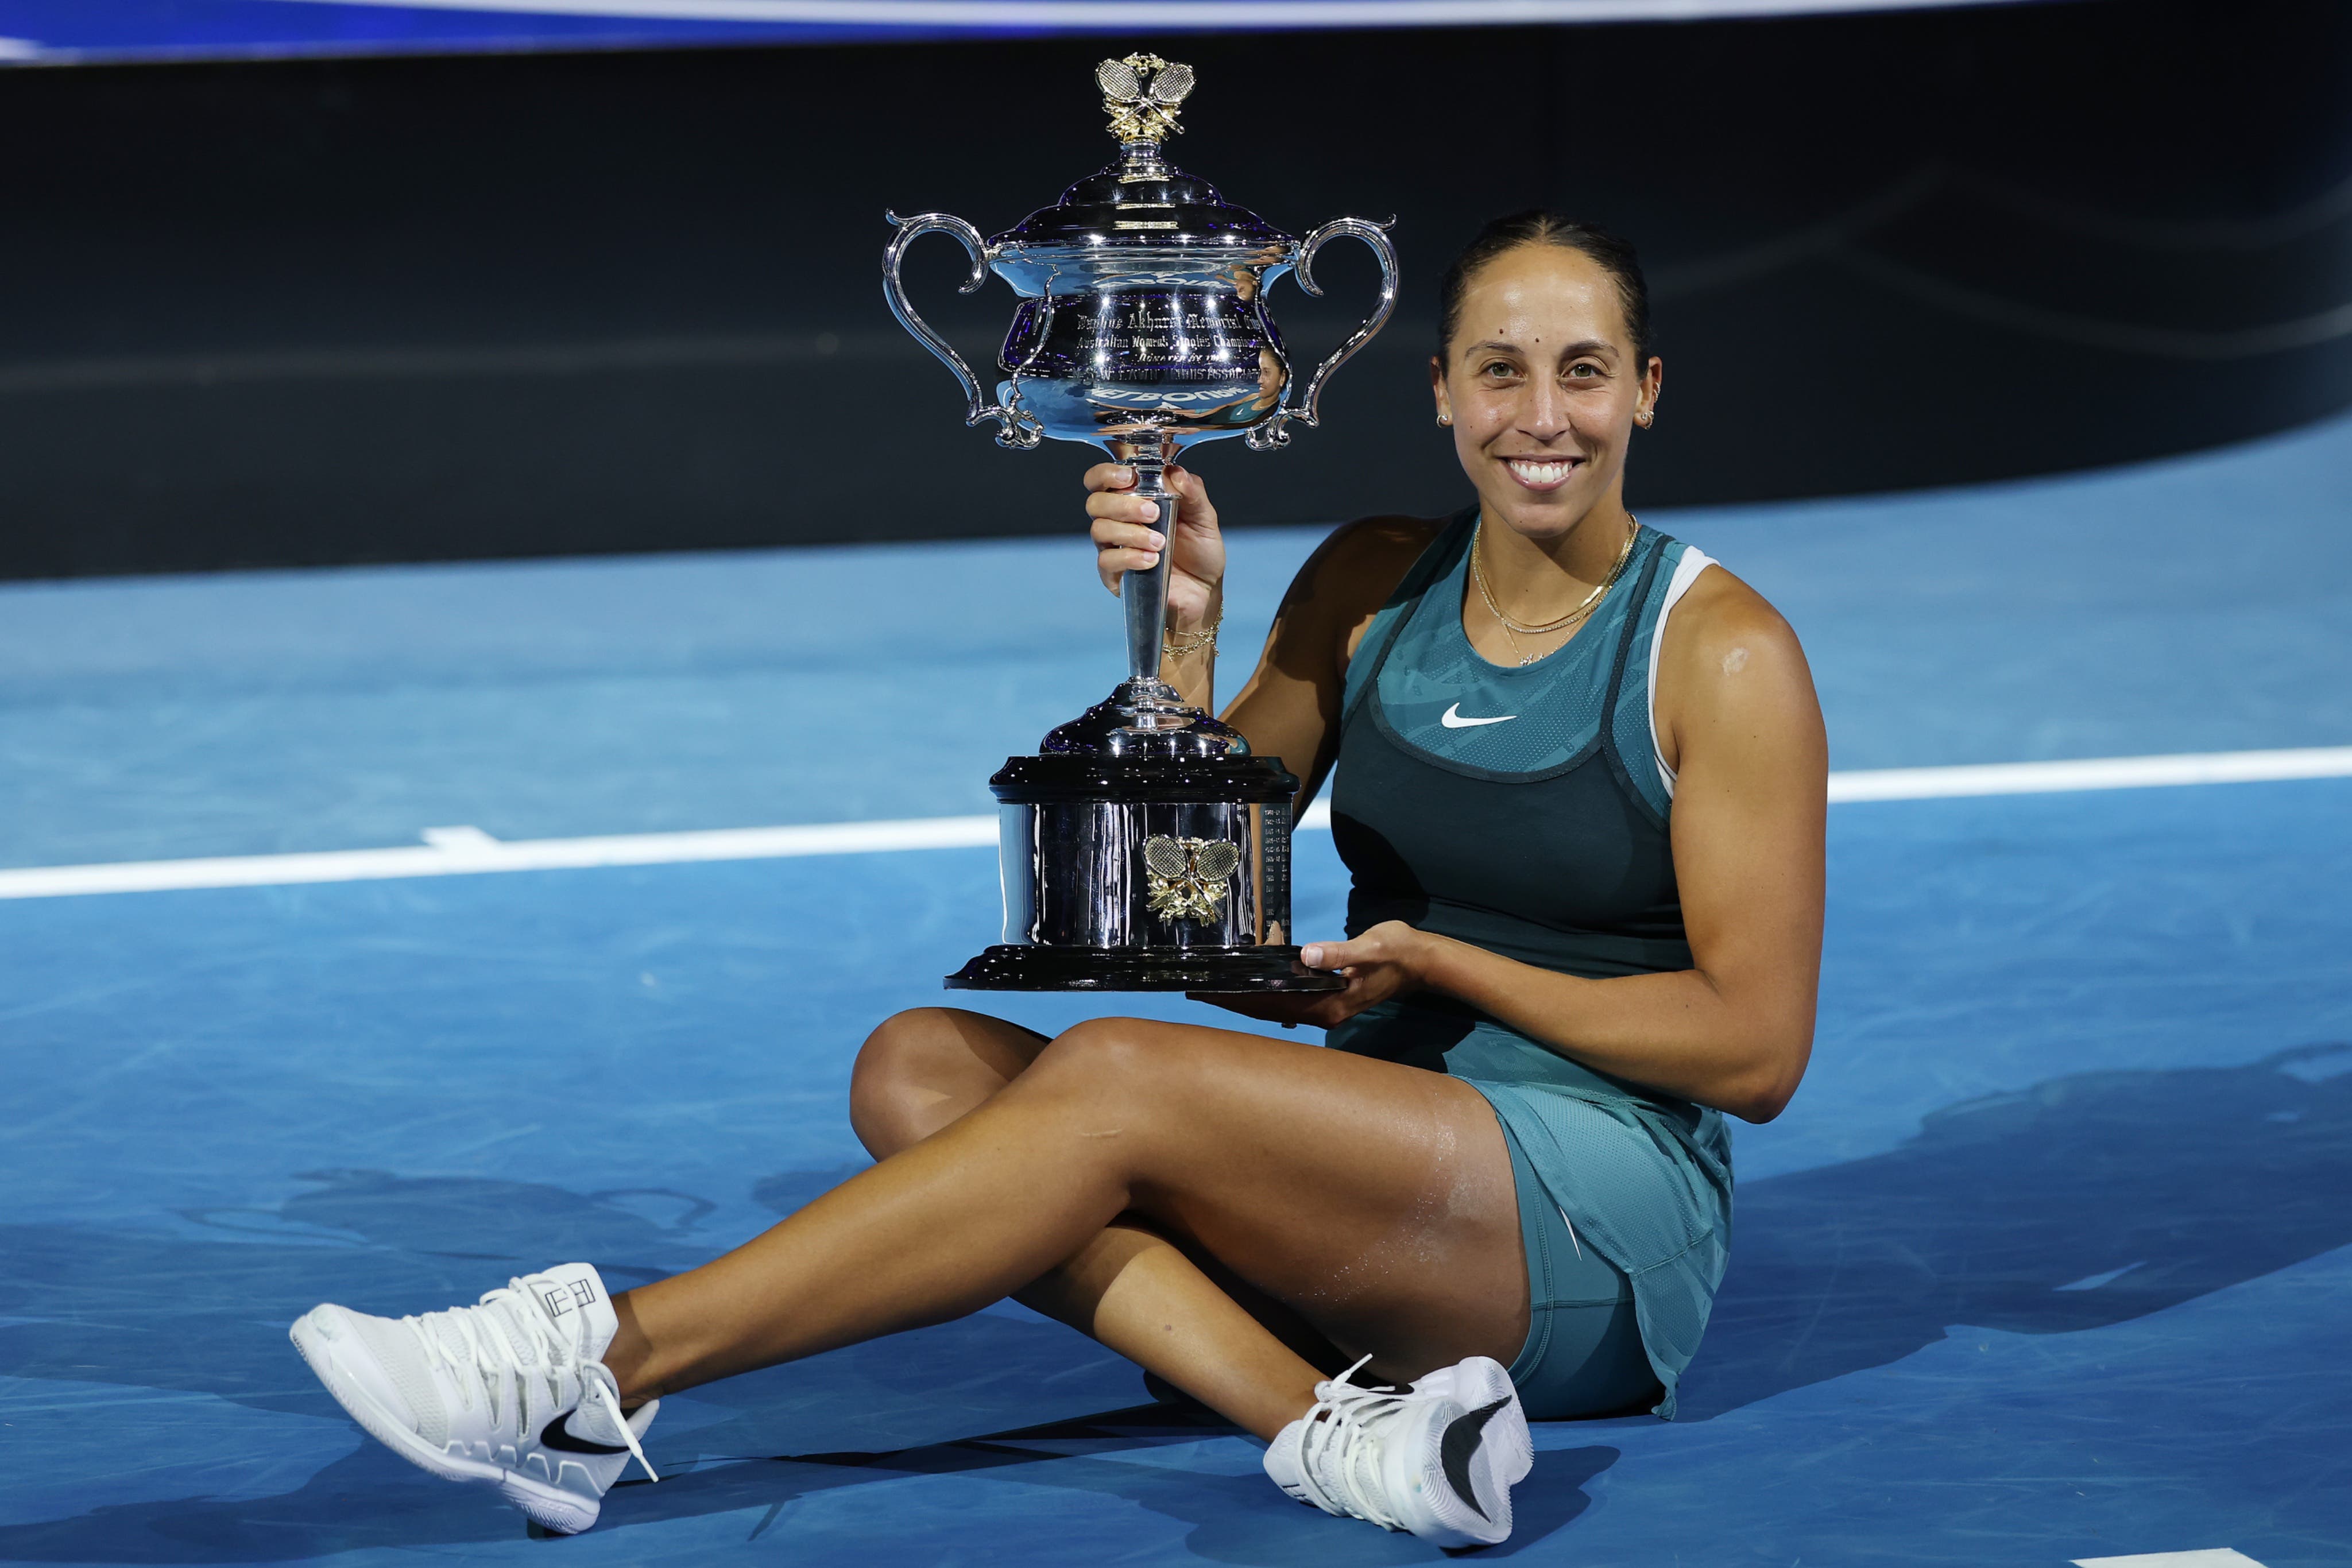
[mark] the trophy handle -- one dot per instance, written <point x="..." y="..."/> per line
<point x="1015" y="427"/>
<point x="1272" y="433"/>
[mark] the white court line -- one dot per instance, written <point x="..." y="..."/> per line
<point x="465" y="851"/>
<point x="459" y="852"/>
<point x="2214" y="1557"/>
<point x="2091" y="773"/>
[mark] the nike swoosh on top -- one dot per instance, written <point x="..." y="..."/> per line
<point x="1452" y="718"/>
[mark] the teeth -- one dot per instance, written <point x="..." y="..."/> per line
<point x="1539" y="473"/>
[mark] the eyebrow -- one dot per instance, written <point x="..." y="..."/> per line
<point x="1589" y="346"/>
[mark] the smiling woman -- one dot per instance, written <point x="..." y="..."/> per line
<point x="1542" y="466"/>
<point x="1579" y="782"/>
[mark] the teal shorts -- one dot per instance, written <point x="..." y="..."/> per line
<point x="1583" y="1355"/>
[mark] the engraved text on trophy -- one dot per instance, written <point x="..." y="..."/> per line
<point x="1173" y="361"/>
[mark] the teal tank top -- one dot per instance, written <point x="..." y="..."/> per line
<point x="1520" y="809"/>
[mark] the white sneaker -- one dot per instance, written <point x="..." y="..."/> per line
<point x="1408" y="1459"/>
<point x="510" y="1394"/>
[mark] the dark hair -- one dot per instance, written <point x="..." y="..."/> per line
<point x="1538" y="226"/>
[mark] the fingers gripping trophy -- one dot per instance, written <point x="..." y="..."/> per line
<point x="1144" y="847"/>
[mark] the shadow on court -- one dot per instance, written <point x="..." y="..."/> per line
<point x="2084" y="1201"/>
<point x="2088" y="1200"/>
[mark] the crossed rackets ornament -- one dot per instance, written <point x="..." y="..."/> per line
<point x="1190" y="877"/>
<point x="1140" y="94"/>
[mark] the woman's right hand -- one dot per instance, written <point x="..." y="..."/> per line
<point x="1125" y="541"/>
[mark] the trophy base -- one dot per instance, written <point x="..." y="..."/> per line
<point x="1041" y="968"/>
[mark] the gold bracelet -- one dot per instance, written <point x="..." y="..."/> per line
<point x="1178" y="644"/>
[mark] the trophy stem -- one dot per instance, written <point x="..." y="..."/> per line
<point x="1144" y="594"/>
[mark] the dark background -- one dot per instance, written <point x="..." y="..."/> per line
<point x="389" y="309"/>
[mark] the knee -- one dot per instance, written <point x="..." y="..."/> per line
<point x="893" y="1080"/>
<point x="1127" y="1090"/>
<point x="1104" y="1058"/>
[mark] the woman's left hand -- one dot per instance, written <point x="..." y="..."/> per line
<point x="1386" y="961"/>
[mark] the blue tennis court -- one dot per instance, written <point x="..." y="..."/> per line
<point x="2047" y="1261"/>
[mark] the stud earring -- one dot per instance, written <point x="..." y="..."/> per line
<point x="1446" y="420"/>
<point x="1643" y="418"/>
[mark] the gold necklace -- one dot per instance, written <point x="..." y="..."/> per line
<point x="1513" y="629"/>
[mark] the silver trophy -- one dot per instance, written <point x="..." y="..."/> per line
<point x="1144" y="847"/>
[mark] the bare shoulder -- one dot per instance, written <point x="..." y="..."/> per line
<point x="1359" y="564"/>
<point x="1724" y="618"/>
<point x="1729" y="658"/>
<point x="1335" y="594"/>
<point x="1350" y="575"/>
<point x="1292" y="700"/>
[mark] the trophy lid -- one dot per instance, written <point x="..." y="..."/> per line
<point x="1142" y="202"/>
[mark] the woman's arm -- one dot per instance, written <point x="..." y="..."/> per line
<point x="1289" y="708"/>
<point x="1737" y="714"/>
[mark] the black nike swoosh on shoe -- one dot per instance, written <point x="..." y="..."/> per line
<point x="559" y="1436"/>
<point x="1461" y="1441"/>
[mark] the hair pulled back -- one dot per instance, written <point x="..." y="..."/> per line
<point x="1537" y="226"/>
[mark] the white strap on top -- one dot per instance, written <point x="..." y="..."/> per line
<point x="1686" y="571"/>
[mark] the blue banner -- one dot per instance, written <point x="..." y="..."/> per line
<point x="64" y="32"/>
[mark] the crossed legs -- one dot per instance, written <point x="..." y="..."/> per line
<point x="1178" y="1314"/>
<point x="1103" y="1176"/>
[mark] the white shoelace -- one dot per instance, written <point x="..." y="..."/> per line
<point x="482" y="1352"/>
<point x="1343" y="1436"/>
<point x="604" y="1390"/>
